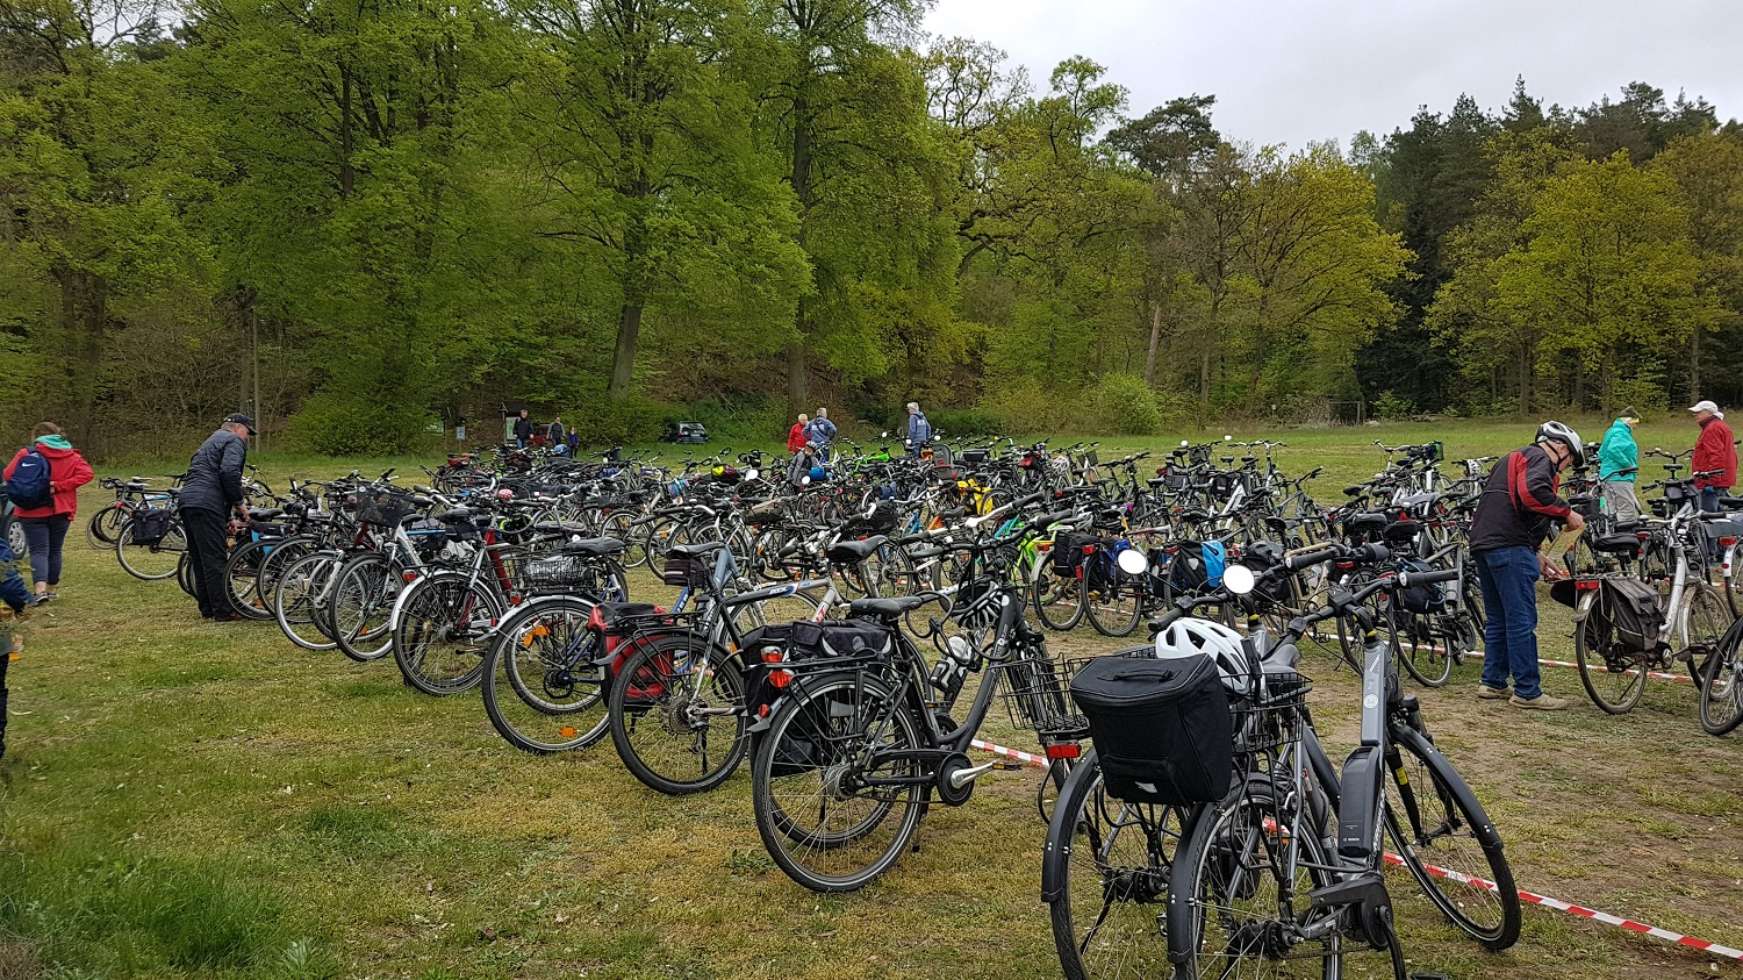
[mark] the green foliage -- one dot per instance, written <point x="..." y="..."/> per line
<point x="1392" y="406"/>
<point x="338" y="424"/>
<point x="965" y="422"/>
<point x="1124" y="405"/>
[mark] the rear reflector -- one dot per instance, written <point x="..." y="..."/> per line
<point x="779" y="679"/>
<point x="1587" y="585"/>
<point x="1065" y="750"/>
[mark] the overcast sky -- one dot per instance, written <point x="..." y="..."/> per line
<point x="1290" y="72"/>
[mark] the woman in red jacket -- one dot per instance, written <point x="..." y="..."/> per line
<point x="45" y="528"/>
<point x="796" y="435"/>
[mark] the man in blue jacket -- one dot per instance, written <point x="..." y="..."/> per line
<point x="919" y="430"/>
<point x="14" y="600"/>
<point x="1618" y="464"/>
<point x="212" y="489"/>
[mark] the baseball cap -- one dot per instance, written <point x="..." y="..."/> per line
<point x="1629" y="414"/>
<point x="237" y="418"/>
<point x="1705" y="406"/>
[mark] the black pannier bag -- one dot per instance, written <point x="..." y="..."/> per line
<point x="804" y="643"/>
<point x="1068" y="551"/>
<point x="1162" y="729"/>
<point x="1422" y="599"/>
<point x="150" y="526"/>
<point x="1634" y="611"/>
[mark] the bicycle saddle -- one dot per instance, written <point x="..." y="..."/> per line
<point x="886" y="608"/>
<point x="701" y="549"/>
<point x="594" y="547"/>
<point x="266" y="514"/>
<point x="852" y="552"/>
<point x="1616" y="544"/>
<point x="1401" y="531"/>
<point x="1368" y="521"/>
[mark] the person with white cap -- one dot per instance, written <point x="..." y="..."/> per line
<point x="1715" y="459"/>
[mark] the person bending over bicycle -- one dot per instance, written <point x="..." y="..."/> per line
<point x="1520" y="499"/>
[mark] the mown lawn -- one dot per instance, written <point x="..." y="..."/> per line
<point x="182" y="799"/>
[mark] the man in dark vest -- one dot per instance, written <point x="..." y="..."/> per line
<point x="211" y="491"/>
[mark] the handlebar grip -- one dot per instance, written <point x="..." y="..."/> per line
<point x="1297" y="562"/>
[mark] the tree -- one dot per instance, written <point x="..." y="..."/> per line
<point x="1708" y="170"/>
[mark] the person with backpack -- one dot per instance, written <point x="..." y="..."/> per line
<point x="1520" y="499"/>
<point x="211" y="490"/>
<point x="919" y="430"/>
<point x="1618" y="464"/>
<point x="43" y="482"/>
<point x="1715" y="455"/>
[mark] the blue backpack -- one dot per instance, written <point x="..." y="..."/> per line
<point x="31" y="483"/>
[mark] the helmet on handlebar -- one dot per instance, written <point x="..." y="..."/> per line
<point x="1553" y="431"/>
<point x="1190" y="637"/>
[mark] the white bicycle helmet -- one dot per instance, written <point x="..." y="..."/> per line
<point x="1189" y="637"/>
<point x="1553" y="431"/>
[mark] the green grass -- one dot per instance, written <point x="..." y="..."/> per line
<point x="190" y="800"/>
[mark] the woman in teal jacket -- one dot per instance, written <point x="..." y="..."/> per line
<point x="1618" y="458"/>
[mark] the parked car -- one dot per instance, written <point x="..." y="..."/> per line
<point x="686" y="432"/>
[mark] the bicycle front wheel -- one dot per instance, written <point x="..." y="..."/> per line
<point x="155" y="561"/>
<point x="445" y="628"/>
<point x="837" y="791"/>
<point x="360" y="606"/>
<point x="1722" y="685"/>
<point x="1449" y="844"/>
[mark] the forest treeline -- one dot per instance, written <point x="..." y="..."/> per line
<point x="360" y="218"/>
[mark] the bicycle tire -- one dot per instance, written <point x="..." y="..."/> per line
<point x="1064" y="589"/>
<point x="360" y="606"/>
<point x="1083" y="855"/>
<point x="553" y="632"/>
<point x="141" y="561"/>
<point x="1593" y="633"/>
<point x="447" y="615"/>
<point x="101" y="529"/>
<point x="1721" y="706"/>
<point x="784" y="743"/>
<point x="242" y="578"/>
<point x="644" y="691"/>
<point x="1452" y="792"/>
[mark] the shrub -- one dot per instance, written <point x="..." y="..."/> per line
<point x="1393" y="406"/>
<point x="1022" y="405"/>
<point x="339" y="425"/>
<point x="1123" y="404"/>
<point x="632" y="420"/>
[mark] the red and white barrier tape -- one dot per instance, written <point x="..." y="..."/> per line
<point x="1482" y="884"/>
<point x="1654" y="674"/>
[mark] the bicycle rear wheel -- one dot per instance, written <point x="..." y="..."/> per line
<point x="446" y="626"/>
<point x="151" y="562"/>
<point x="242" y="578"/>
<point x="101" y="529"/>
<point x="1239" y="884"/>
<point x="1105" y="880"/>
<point x="677" y="714"/>
<point x="1059" y="600"/>
<point x="1614" y="677"/>
<point x="831" y="821"/>
<point x="302" y="594"/>
<point x="360" y="605"/>
<point x="542" y="691"/>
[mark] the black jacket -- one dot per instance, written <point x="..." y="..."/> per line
<point x="214" y="480"/>
<point x="523" y="428"/>
<point x="1519" y="500"/>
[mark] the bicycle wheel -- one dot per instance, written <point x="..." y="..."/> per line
<point x="1059" y="599"/>
<point x="276" y="560"/>
<point x="829" y="821"/>
<point x="1239" y="885"/>
<point x="242" y="578"/>
<point x="677" y="714"/>
<point x="301" y="593"/>
<point x="1449" y="844"/>
<point x="1708" y="620"/>
<point x="543" y="692"/>
<point x="151" y="562"/>
<point x="1423" y="649"/>
<point x="620" y="524"/>
<point x="104" y="525"/>
<point x="1117" y="603"/>
<point x="1105" y="880"/>
<point x="360" y="604"/>
<point x="16" y="540"/>
<point x="1613" y="675"/>
<point x="446" y="626"/>
<point x="1722" y="685"/>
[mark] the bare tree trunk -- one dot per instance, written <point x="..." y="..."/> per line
<point x="798" y="372"/>
<point x="1155" y="342"/>
<point x="629" y="325"/>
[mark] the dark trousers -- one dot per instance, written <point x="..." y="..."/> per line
<point x="207" y="552"/>
<point x="45" y="535"/>
<point x="1509" y="579"/>
<point x="5" y="661"/>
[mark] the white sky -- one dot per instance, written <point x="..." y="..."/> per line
<point x="1289" y="72"/>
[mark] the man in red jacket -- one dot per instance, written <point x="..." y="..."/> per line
<point x="1715" y="455"/>
<point x="45" y="528"/>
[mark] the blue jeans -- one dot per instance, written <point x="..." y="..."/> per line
<point x="1509" y="579"/>
<point x="45" y="535"/>
<point x="1710" y="499"/>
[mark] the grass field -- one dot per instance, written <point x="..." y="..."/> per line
<point x="183" y="799"/>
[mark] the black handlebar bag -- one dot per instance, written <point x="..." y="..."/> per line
<point x="1162" y="729"/>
